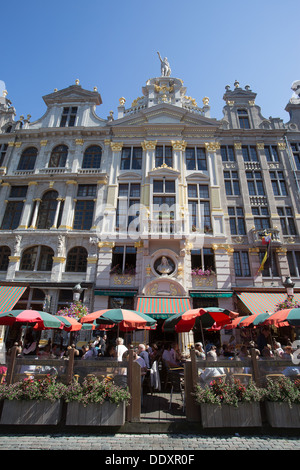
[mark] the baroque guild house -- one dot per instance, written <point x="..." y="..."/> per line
<point x="161" y="208"/>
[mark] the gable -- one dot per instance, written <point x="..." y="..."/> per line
<point x="73" y="94"/>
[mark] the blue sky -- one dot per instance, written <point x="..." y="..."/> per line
<point x="113" y="45"/>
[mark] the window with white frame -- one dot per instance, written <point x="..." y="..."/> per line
<point x="243" y="118"/>
<point x="278" y="183"/>
<point x="163" y="155"/>
<point x="84" y="208"/>
<point x="255" y="183"/>
<point x="68" y="117"/>
<point x="271" y="153"/>
<point x="236" y="221"/>
<point x="249" y="153"/>
<point x="295" y="146"/>
<point x="227" y="153"/>
<point x="232" y="185"/>
<point x="261" y="217"/>
<point x="293" y="258"/>
<point x="131" y="158"/>
<point x="123" y="260"/>
<point x="203" y="259"/>
<point x="128" y="206"/>
<point x="287" y="221"/>
<point x="199" y="208"/>
<point x="241" y="264"/>
<point x="195" y="158"/>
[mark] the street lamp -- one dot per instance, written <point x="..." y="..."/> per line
<point x="77" y="290"/>
<point x="289" y="286"/>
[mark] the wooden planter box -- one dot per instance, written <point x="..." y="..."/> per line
<point x="31" y="412"/>
<point x="280" y="415"/>
<point x="106" y="414"/>
<point x="227" y="416"/>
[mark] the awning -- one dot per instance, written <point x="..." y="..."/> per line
<point x="210" y="294"/>
<point x="115" y="293"/>
<point x="162" y="307"/>
<point x="261" y="302"/>
<point x="9" y="296"/>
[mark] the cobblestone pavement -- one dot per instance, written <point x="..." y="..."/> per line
<point x="157" y="442"/>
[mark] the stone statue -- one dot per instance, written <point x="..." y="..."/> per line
<point x="165" y="66"/>
<point x="296" y="95"/>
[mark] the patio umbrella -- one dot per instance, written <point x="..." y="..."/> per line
<point x="200" y="317"/>
<point x="125" y="319"/>
<point x="235" y="323"/>
<point x="289" y="316"/>
<point x="254" y="320"/>
<point x="36" y="318"/>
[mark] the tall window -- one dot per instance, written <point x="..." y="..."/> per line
<point x="58" y="157"/>
<point x="287" y="221"/>
<point x="131" y="158"/>
<point x="261" y="217"/>
<point x="4" y="257"/>
<point x="293" y="258"/>
<point x="28" y="158"/>
<point x="249" y="153"/>
<point x="128" y="206"/>
<point x="77" y="260"/>
<point x="203" y="259"/>
<point x="195" y="158"/>
<point x="255" y="183"/>
<point x="241" y="264"/>
<point x="199" y="207"/>
<point x="37" y="258"/>
<point x="14" y="208"/>
<point x="232" y="185"/>
<point x="164" y="199"/>
<point x="278" y="183"/>
<point x="296" y="152"/>
<point x="227" y="153"/>
<point x="68" y="116"/>
<point x="84" y="209"/>
<point x="163" y="155"/>
<point x="47" y="210"/>
<point x="92" y="157"/>
<point x="3" y="149"/>
<point x="271" y="153"/>
<point x="243" y="118"/>
<point x="270" y="267"/>
<point x="236" y="221"/>
<point x="123" y="260"/>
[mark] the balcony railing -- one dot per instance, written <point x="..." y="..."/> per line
<point x="258" y="235"/>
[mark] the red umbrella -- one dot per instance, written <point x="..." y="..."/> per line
<point x="200" y="317"/>
<point x="235" y="323"/>
<point x="286" y="317"/>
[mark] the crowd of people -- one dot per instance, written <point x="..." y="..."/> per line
<point x="266" y="349"/>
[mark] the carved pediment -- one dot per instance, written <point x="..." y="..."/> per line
<point x="73" y="94"/>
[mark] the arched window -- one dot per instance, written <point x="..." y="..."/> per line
<point x="28" y="158"/>
<point x="92" y="157"/>
<point x="47" y="210"/>
<point x="77" y="260"/>
<point x="37" y="258"/>
<point x="4" y="257"/>
<point x="58" y="157"/>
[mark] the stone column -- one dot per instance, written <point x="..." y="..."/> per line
<point x="217" y="213"/>
<point x="68" y="212"/>
<point x="222" y="263"/>
<point x="249" y="223"/>
<point x="36" y="211"/>
<point x="28" y="205"/>
<point x="282" y="262"/>
<point x="104" y="263"/>
<point x="59" y="201"/>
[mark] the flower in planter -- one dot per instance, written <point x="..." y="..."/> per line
<point x="93" y="391"/>
<point x="75" y="310"/>
<point x="31" y="389"/>
<point x="290" y="302"/>
<point x="283" y="390"/>
<point x="228" y="393"/>
<point x="201" y="272"/>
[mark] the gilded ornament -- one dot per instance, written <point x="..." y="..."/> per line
<point x="149" y="145"/>
<point x="212" y="146"/>
<point x="116" y="146"/>
<point x="205" y="101"/>
<point x="179" y="145"/>
<point x="122" y="101"/>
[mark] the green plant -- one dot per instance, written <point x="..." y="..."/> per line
<point x="229" y="393"/>
<point x="93" y="391"/>
<point x="30" y="389"/>
<point x="283" y="389"/>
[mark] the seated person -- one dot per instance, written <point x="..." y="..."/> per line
<point x="210" y="373"/>
<point x="169" y="357"/>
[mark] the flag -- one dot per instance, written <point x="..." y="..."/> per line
<point x="266" y="239"/>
